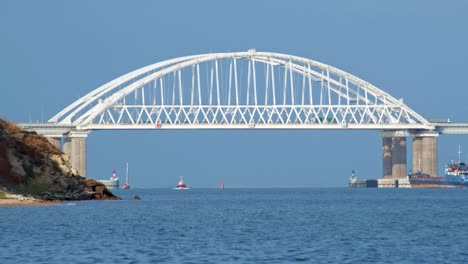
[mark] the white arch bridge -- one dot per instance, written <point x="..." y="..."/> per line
<point x="246" y="90"/>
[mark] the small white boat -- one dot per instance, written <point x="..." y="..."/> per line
<point x="181" y="185"/>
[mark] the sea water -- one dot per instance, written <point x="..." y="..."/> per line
<point x="310" y="225"/>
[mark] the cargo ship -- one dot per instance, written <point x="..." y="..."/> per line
<point x="423" y="180"/>
<point x="455" y="176"/>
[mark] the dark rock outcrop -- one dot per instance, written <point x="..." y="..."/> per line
<point x="30" y="165"/>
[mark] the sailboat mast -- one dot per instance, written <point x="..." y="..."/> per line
<point x="126" y="175"/>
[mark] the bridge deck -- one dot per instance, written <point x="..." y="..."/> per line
<point x="60" y="129"/>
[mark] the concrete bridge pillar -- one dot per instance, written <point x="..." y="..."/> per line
<point x="399" y="157"/>
<point x="425" y="152"/>
<point x="394" y="154"/>
<point x="75" y="147"/>
<point x="387" y="157"/>
<point x="417" y="154"/>
<point x="56" y="141"/>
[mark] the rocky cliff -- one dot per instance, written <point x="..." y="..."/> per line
<point x="31" y="166"/>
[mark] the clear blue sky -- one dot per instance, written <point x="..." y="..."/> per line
<point x="53" y="52"/>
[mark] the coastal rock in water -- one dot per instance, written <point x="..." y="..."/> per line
<point x="98" y="189"/>
<point x="30" y="165"/>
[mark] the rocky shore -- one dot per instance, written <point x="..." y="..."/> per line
<point x="33" y="171"/>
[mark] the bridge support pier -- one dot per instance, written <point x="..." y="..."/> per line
<point x="399" y="157"/>
<point x="55" y="140"/>
<point x="425" y="153"/>
<point x="75" y="147"/>
<point x="387" y="157"/>
<point x="394" y="154"/>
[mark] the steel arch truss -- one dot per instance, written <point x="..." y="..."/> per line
<point x="239" y="90"/>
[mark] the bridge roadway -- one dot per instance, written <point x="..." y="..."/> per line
<point x="52" y="129"/>
<point x="451" y="128"/>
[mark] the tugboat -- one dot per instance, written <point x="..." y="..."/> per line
<point x="181" y="185"/>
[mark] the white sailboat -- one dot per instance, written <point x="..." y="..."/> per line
<point x="126" y="185"/>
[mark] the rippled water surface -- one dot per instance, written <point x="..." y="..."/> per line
<point x="243" y="226"/>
